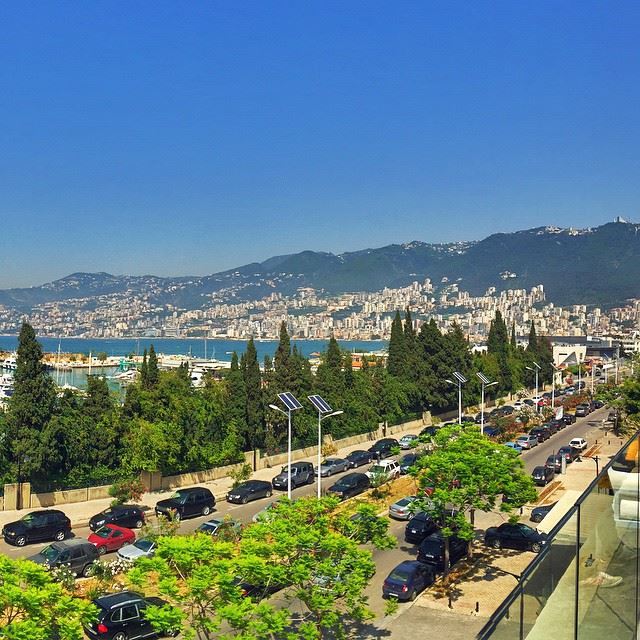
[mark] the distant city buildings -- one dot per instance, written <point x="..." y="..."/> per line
<point x="314" y="314"/>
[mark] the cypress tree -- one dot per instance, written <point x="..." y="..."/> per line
<point x="397" y="358"/>
<point x="514" y="341"/>
<point x="144" y="371"/>
<point x="255" y="400"/>
<point x="532" y="347"/>
<point x="334" y="355"/>
<point x="409" y="331"/>
<point x="153" y="373"/>
<point x="237" y="397"/>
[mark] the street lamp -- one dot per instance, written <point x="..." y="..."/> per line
<point x="553" y="388"/>
<point x="485" y="383"/>
<point x="324" y="411"/>
<point x="460" y="381"/>
<point x="537" y="368"/>
<point x="292" y="404"/>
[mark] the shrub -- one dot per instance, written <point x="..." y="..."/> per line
<point x="240" y="474"/>
<point x="126" y="490"/>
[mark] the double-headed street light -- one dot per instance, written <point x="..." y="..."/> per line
<point x="324" y="411"/>
<point x="485" y="383"/>
<point x="537" y="368"/>
<point x="460" y="379"/>
<point x="292" y="404"/>
<point x="553" y="388"/>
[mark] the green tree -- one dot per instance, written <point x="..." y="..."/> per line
<point x="153" y="371"/>
<point x="144" y="371"/>
<point x="255" y="419"/>
<point x="397" y="358"/>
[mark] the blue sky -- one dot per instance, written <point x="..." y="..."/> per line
<point x="186" y="138"/>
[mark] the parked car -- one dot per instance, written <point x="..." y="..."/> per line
<point x="408" y="440"/>
<point x="407" y="461"/>
<point x="407" y="580"/>
<point x="301" y="473"/>
<point x="527" y="441"/>
<point x="350" y="485"/>
<point x="123" y="515"/>
<point x="541" y="433"/>
<point x="556" y="425"/>
<point x="569" y="453"/>
<point x="431" y="550"/>
<point x="111" y="537"/>
<point x="515" y="536"/>
<point x="568" y="418"/>
<point x="515" y="446"/>
<point x="250" y="490"/>
<point x="491" y="431"/>
<point x="141" y="548"/>
<point x="401" y="509"/>
<point x="419" y="527"/>
<point x="47" y="524"/>
<point x="384" y="447"/>
<point x="538" y="513"/>
<point x="582" y="410"/>
<point x="428" y="432"/>
<point x="554" y="461"/>
<point x="215" y="527"/>
<point x="389" y="469"/>
<point x="121" y="617"/>
<point x="358" y="458"/>
<point x="578" y="443"/>
<point x="332" y="465"/>
<point x="597" y="404"/>
<point x="194" y="501"/>
<point x="542" y="475"/>
<point x="78" y="554"/>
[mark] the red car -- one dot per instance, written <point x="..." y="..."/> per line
<point x="111" y="537"/>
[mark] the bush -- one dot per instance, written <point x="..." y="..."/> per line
<point x="126" y="490"/>
<point x="329" y="449"/>
<point x="240" y="474"/>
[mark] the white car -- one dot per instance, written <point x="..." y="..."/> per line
<point x="578" y="443"/>
<point x="406" y="441"/>
<point x="142" y="548"/>
<point x="388" y="468"/>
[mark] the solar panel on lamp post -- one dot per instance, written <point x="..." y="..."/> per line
<point x="292" y="404"/>
<point x="460" y="380"/>
<point x="485" y="383"/>
<point x="537" y="368"/>
<point x="324" y="411"/>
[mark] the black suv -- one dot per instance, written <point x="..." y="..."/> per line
<point x="350" y="485"/>
<point x="382" y="448"/>
<point x="123" y="515"/>
<point x="301" y="473"/>
<point x="49" y="524"/>
<point x="542" y="433"/>
<point x="419" y="527"/>
<point x="196" y="501"/>
<point x="79" y="555"/>
<point x="431" y="550"/>
<point x="121" y="617"/>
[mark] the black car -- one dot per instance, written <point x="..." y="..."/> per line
<point x="407" y="580"/>
<point x="383" y="448"/>
<point x="123" y="515"/>
<point x="538" y="513"/>
<point x="419" y="527"/>
<point x="568" y="418"/>
<point x="48" y="524"/>
<point x="350" y="485"/>
<point x="79" y="555"/>
<point x="194" y="501"/>
<point x="301" y="473"/>
<point x="555" y="425"/>
<point x="358" y="458"/>
<point x="121" y="617"/>
<point x="541" y="433"/>
<point x="515" y="536"/>
<point x="554" y="461"/>
<point x="597" y="404"/>
<point x="407" y="461"/>
<point x="428" y="432"/>
<point x="431" y="550"/>
<point x="250" y="490"/>
<point x="542" y="475"/>
<point x="569" y="453"/>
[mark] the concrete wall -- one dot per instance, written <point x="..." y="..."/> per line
<point x="197" y="477"/>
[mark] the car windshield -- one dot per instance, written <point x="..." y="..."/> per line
<point x="143" y="545"/>
<point x="103" y="532"/>
<point x="400" y="576"/>
<point x="27" y="519"/>
<point x="209" y="527"/>
<point x="405" y="501"/>
<point x="328" y="463"/>
<point x="106" y="513"/>
<point x="376" y="468"/>
<point x="49" y="553"/>
<point x="179" y="497"/>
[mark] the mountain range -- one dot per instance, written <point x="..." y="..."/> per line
<point x="599" y="265"/>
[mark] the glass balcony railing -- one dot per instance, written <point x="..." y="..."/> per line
<point x="585" y="585"/>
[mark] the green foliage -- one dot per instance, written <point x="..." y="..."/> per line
<point x="241" y="474"/>
<point x="127" y="490"/>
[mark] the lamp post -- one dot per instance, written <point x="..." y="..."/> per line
<point x="537" y="368"/>
<point x="324" y="411"/>
<point x="292" y="404"/>
<point x="460" y="379"/>
<point x="553" y="388"/>
<point x="485" y="383"/>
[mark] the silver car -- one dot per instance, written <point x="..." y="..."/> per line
<point x="407" y="441"/>
<point x="142" y="548"/>
<point x="331" y="466"/>
<point x="401" y="510"/>
<point x="527" y="441"/>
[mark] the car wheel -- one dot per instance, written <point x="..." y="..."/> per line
<point x="310" y="479"/>
<point x="269" y="493"/>
<point x="121" y="635"/>
<point x="88" y="571"/>
<point x="413" y="595"/>
<point x="206" y="510"/>
<point x="138" y="524"/>
<point x="102" y="550"/>
<point x="496" y="544"/>
<point x="536" y="547"/>
<point x="177" y="516"/>
<point x="21" y="541"/>
<point x="60" y="535"/>
<point x="244" y="500"/>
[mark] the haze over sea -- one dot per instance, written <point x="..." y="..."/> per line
<point x="215" y="348"/>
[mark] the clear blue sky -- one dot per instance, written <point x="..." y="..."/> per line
<point x="189" y="137"/>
